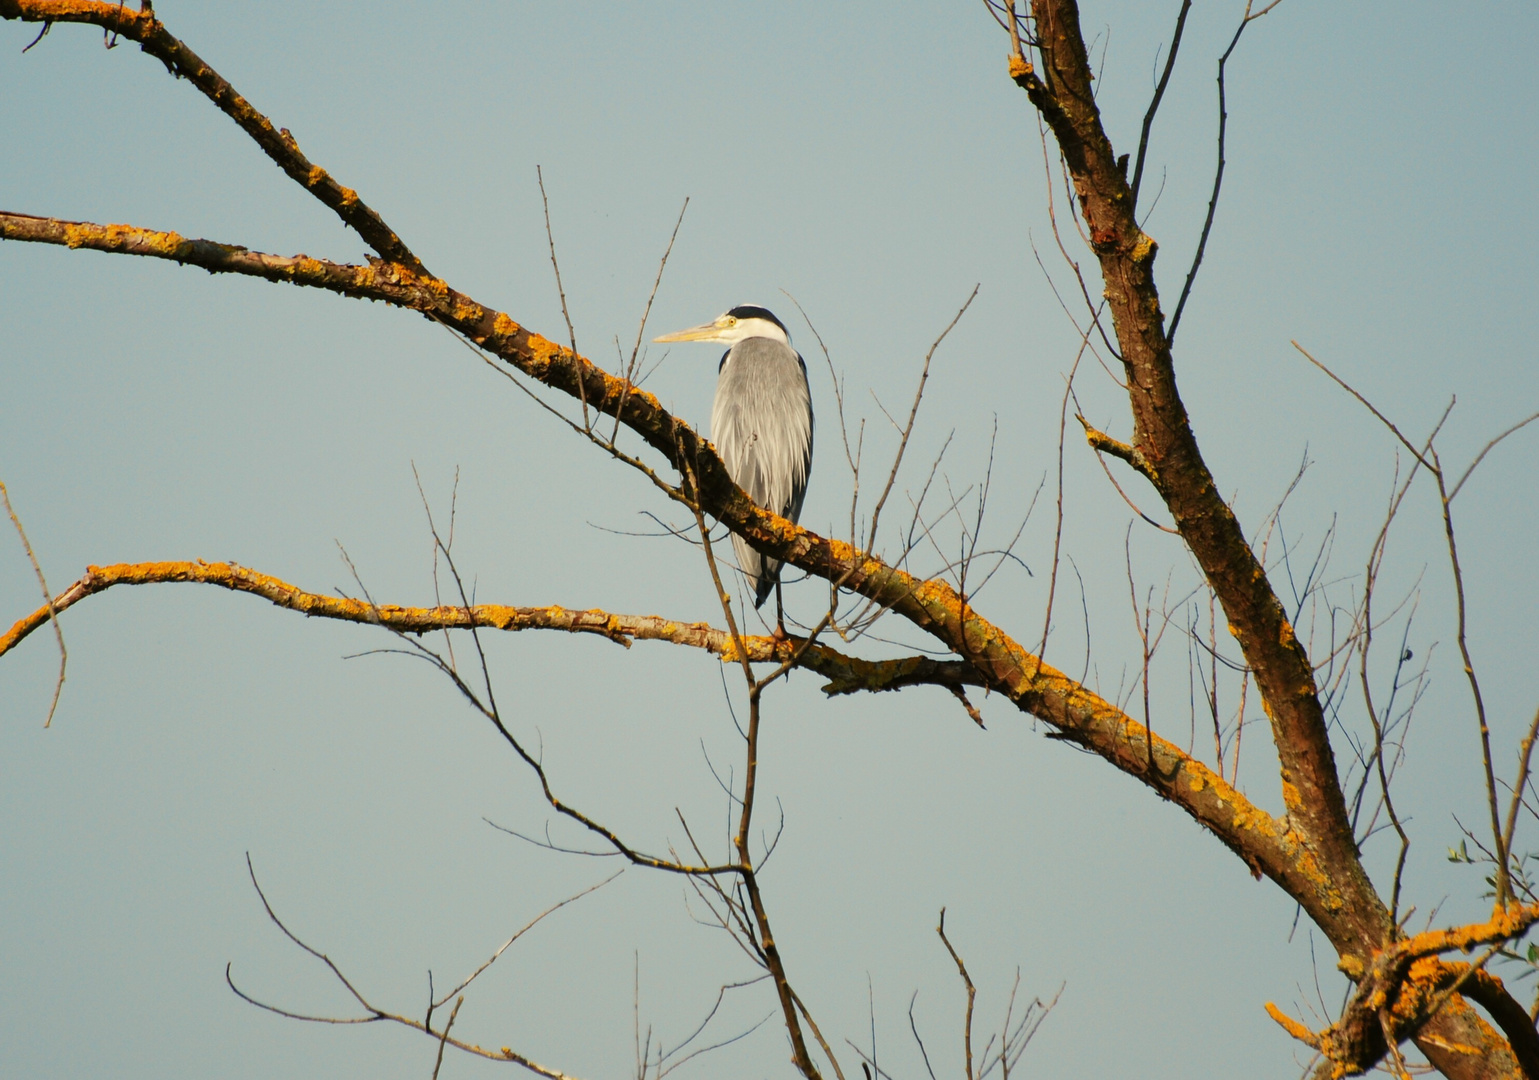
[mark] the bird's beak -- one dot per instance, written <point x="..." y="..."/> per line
<point x="704" y="332"/>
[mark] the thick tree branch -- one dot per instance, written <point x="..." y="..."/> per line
<point x="1356" y="922"/>
<point x="1285" y="851"/>
<point x="848" y="674"/>
<point x="1267" y="845"/>
<point x="1163" y="436"/>
<point x="1406" y="987"/>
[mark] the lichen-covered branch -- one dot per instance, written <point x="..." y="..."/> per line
<point x="997" y="661"/>
<point x="1405" y="986"/>
<point x="1286" y="850"/>
<point x="847" y="674"/>
<point x="1357" y="923"/>
<point x="1163" y="438"/>
<point x="1265" y="843"/>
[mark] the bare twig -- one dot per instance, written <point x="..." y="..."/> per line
<point x="1159" y="92"/>
<point x="629" y="374"/>
<point x="1525" y="754"/>
<point x="53" y="614"/>
<point x="1519" y="426"/>
<point x="972" y="994"/>
<point x="444" y="1041"/>
<point x="1503" y="871"/>
<point x="908" y="428"/>
<point x="550" y="238"/>
<point x="372" y="1012"/>
<point x="1218" y="174"/>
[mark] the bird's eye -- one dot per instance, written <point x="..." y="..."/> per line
<point x="731" y="320"/>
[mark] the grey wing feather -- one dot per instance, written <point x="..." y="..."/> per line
<point x="761" y="424"/>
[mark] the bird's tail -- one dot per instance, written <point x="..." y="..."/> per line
<point x="762" y="573"/>
<point x="764" y="584"/>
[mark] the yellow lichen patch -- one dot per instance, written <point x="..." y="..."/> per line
<point x="1145" y="248"/>
<point x="162" y="243"/>
<point x="934" y="592"/>
<point x="504" y="326"/>
<point x="1020" y="67"/>
<point x="1285" y="632"/>
<point x="466" y="310"/>
<point x="316" y="175"/>
<point x="349" y="197"/>
<point x="1199" y="776"/>
<point x="77" y="235"/>
<point x="1290" y="794"/>
<point x="1292" y="1026"/>
<point x="1252" y="819"/>
<point x="304" y="266"/>
<point x="646" y="397"/>
<point x="1306" y="865"/>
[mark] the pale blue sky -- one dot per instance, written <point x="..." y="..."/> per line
<point x="876" y="163"/>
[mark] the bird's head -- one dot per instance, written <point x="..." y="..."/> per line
<point x="743" y="321"/>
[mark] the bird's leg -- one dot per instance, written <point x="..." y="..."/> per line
<point x="780" y="617"/>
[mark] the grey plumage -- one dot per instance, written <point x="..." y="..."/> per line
<point x="761" y="423"/>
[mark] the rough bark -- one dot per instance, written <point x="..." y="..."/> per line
<point x="1310" y="852"/>
<point x="1355" y="919"/>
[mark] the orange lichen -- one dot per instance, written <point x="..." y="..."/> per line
<point x="1291" y="798"/>
<point x="1292" y="1026"/>
<point x="1249" y="818"/>
<point x="316" y="176"/>
<point x="307" y="267"/>
<point x="349" y="197"/>
<point x="466" y="312"/>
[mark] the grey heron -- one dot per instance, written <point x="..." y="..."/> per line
<point x="761" y="423"/>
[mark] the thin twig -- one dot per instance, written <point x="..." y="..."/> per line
<point x="908" y="428"/>
<point x="1218" y="175"/>
<point x="1503" y="872"/>
<point x="1520" y="425"/>
<point x="53" y="614"/>
<point x="972" y="994"/>
<point x="1525" y="753"/>
<point x="550" y="239"/>
<point x="1159" y="92"/>
<point x="630" y="368"/>
<point x="453" y="1015"/>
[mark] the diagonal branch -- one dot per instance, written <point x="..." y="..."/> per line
<point x="142" y="26"/>
<point x="1353" y="917"/>
<point x="1154" y="102"/>
<point x="1062" y="93"/>
<point x="1268" y="845"/>
<point x="1407" y="985"/>
<point x="848" y="674"/>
